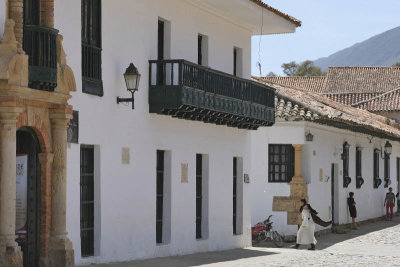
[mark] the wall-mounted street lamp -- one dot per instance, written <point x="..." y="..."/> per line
<point x="309" y="137"/>
<point x="132" y="80"/>
<point x="387" y="150"/>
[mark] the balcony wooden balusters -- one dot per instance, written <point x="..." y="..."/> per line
<point x="190" y="91"/>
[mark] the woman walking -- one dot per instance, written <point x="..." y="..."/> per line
<point x="352" y="210"/>
<point x="305" y="235"/>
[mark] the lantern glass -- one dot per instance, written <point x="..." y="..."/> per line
<point x="132" y="78"/>
<point x="388" y="148"/>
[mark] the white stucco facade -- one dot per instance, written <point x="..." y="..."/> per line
<point x="317" y="159"/>
<point x="125" y="194"/>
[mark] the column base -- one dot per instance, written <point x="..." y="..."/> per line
<point x="11" y="256"/>
<point x="61" y="253"/>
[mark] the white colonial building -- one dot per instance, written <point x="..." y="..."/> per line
<point x="157" y="175"/>
<point x="322" y="150"/>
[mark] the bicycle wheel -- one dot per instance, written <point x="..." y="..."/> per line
<point x="277" y="239"/>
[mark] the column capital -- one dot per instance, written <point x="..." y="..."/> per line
<point x="60" y="120"/>
<point x="46" y="158"/>
<point x="298" y="146"/>
<point x="9" y="115"/>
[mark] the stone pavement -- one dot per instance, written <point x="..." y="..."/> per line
<point x="375" y="244"/>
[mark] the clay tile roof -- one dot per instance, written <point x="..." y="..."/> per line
<point x="277" y="12"/>
<point x="389" y="101"/>
<point x="332" y="113"/>
<point x="351" y="98"/>
<point x="314" y="84"/>
<point x="362" y="79"/>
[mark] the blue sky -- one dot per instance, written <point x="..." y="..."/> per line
<point x="327" y="27"/>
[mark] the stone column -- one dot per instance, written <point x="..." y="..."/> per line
<point x="10" y="254"/>
<point x="298" y="186"/>
<point x="46" y="161"/>
<point x="61" y="252"/>
<point x="298" y="190"/>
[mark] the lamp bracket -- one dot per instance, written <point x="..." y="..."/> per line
<point x="127" y="100"/>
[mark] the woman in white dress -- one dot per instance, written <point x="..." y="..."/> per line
<point x="305" y="235"/>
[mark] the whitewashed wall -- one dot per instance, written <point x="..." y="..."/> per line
<point x="125" y="220"/>
<point x="324" y="150"/>
<point x="3" y="16"/>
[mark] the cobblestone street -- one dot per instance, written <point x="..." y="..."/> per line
<point x="375" y="244"/>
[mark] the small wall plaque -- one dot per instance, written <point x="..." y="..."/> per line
<point x="321" y="174"/>
<point x="184" y="173"/>
<point x="246" y="178"/>
<point x="125" y="155"/>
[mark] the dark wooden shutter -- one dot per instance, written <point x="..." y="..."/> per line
<point x="199" y="194"/>
<point x="234" y="195"/>
<point x="199" y="50"/>
<point x="87" y="200"/>
<point x="160" y="53"/>
<point x="234" y="61"/>
<point x="159" y="196"/>
<point x="91" y="47"/>
<point x="31" y="12"/>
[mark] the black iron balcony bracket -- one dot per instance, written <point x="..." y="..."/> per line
<point x="346" y="181"/>
<point x="359" y="182"/>
<point x="388" y="182"/>
<point x="188" y="91"/>
<point x="377" y="182"/>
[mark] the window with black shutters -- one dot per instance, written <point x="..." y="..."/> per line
<point x="91" y="47"/>
<point x="160" y="51"/>
<point x="31" y="12"/>
<point x="199" y="194"/>
<point x="160" y="196"/>
<point x="376" y="164"/>
<point x="387" y="167"/>
<point x="358" y="162"/>
<point x="87" y="200"/>
<point x="234" y="195"/>
<point x="235" y="61"/>
<point x="281" y="163"/>
<point x="199" y="50"/>
<point x="346" y="158"/>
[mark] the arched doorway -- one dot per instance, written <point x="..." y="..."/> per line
<point x="28" y="189"/>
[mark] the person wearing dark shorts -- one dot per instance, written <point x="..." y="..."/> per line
<point x="352" y="210"/>
<point x="389" y="203"/>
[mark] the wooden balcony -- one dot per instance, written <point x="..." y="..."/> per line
<point x="39" y="43"/>
<point x="189" y="91"/>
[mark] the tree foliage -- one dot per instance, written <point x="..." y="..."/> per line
<point x="397" y="64"/>
<point x="290" y="68"/>
<point x="305" y="68"/>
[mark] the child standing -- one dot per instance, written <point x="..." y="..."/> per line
<point x="352" y="210"/>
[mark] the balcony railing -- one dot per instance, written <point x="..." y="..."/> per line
<point x="189" y="91"/>
<point x="40" y="45"/>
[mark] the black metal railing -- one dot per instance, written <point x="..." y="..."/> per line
<point x="91" y="62"/>
<point x="39" y="43"/>
<point x="91" y="70"/>
<point x="184" y="73"/>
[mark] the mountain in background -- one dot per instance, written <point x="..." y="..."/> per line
<point x="381" y="50"/>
